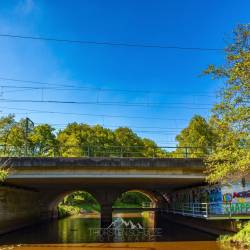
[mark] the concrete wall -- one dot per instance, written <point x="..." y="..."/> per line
<point x="18" y="208"/>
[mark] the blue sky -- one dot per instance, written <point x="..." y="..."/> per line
<point x="174" y="74"/>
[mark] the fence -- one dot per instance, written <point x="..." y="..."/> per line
<point x="212" y="210"/>
<point x="104" y="151"/>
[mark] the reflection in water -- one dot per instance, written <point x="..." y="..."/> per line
<point x="130" y="230"/>
<point x="76" y="230"/>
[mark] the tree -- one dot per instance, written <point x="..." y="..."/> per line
<point x="198" y="137"/>
<point x="43" y="141"/>
<point x="231" y="116"/>
<point x="129" y="141"/>
<point x="73" y="140"/>
<point x="152" y="150"/>
<point x="6" y="123"/>
<point x="76" y="140"/>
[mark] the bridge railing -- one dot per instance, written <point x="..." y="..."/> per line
<point x="104" y="151"/>
<point x="212" y="210"/>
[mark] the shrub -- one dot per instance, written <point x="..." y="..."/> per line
<point x="3" y="174"/>
<point x="241" y="238"/>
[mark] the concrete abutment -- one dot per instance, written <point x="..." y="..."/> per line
<point x="19" y="208"/>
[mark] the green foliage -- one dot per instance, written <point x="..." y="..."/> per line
<point x="199" y="135"/>
<point x="67" y="210"/>
<point x="79" y="197"/>
<point x="241" y="238"/>
<point x="76" y="202"/>
<point x="76" y="140"/>
<point x="131" y="198"/>
<point x="231" y="116"/>
<point x="99" y="141"/>
<point x="43" y="141"/>
<point x="3" y="174"/>
<point x="4" y="170"/>
<point x="11" y="135"/>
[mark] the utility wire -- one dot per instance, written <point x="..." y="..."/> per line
<point x="126" y="104"/>
<point x="136" y="45"/>
<point x="95" y="115"/>
<point x="74" y="87"/>
<point x="113" y="126"/>
<point x="134" y="129"/>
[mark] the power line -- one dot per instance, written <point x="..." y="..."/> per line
<point x="164" y="131"/>
<point x="126" y="104"/>
<point x="115" y="126"/>
<point x="95" y="115"/>
<point x="117" y="44"/>
<point x="74" y="87"/>
<point x="63" y="125"/>
<point x="134" y="129"/>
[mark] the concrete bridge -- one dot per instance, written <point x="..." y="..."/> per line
<point x="35" y="186"/>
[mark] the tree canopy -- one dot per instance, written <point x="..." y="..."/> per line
<point x="231" y="115"/>
<point x="198" y="136"/>
<point x="75" y="140"/>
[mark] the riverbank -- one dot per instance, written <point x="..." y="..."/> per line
<point x="242" y="238"/>
<point x="65" y="210"/>
<point x="69" y="210"/>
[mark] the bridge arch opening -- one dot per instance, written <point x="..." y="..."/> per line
<point x="136" y="198"/>
<point x="136" y="206"/>
<point x="77" y="202"/>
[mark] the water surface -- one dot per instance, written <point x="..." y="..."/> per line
<point x="74" y="233"/>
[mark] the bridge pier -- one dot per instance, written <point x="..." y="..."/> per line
<point x="106" y="198"/>
<point x="106" y="215"/>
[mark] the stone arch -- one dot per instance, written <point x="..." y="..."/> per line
<point x="54" y="200"/>
<point x="154" y="196"/>
<point x="148" y="193"/>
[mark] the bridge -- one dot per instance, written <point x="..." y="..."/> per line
<point x="36" y="185"/>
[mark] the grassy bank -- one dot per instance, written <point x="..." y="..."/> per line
<point x="242" y="238"/>
<point x="83" y="202"/>
<point x="65" y="210"/>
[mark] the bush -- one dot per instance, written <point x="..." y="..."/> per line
<point x="67" y="210"/>
<point x="241" y="238"/>
<point x="3" y="174"/>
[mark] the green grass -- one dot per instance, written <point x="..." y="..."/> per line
<point x="241" y="238"/>
<point x="65" y="210"/>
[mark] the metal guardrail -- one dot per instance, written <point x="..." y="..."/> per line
<point x="199" y="210"/>
<point x="104" y="151"/>
<point x="212" y="210"/>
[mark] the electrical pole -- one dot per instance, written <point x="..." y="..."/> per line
<point x="27" y="130"/>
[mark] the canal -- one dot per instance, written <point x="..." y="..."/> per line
<point x="132" y="230"/>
